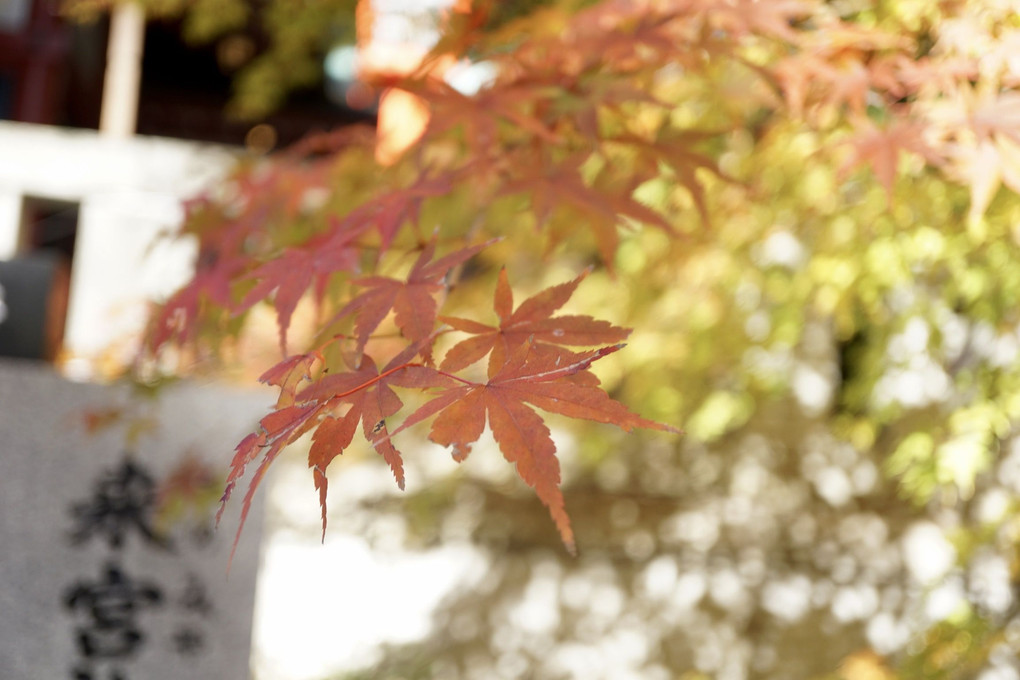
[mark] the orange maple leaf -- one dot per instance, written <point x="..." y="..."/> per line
<point x="881" y="149"/>
<point x="533" y="320"/>
<point x="557" y="382"/>
<point x="370" y="400"/>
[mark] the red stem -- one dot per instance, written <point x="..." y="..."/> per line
<point x="393" y="370"/>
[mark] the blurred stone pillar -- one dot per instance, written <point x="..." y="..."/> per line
<point x="10" y="224"/>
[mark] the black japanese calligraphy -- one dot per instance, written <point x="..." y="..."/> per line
<point x="111" y="605"/>
<point x="122" y="502"/>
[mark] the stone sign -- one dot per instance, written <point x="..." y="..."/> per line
<point x="110" y="567"/>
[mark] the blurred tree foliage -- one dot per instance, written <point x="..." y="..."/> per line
<point x="832" y="312"/>
<point x="272" y="47"/>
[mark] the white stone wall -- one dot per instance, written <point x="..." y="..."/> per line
<point x="129" y="192"/>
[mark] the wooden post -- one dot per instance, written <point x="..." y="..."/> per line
<point x="119" y="112"/>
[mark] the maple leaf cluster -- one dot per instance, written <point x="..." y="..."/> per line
<point x="529" y="366"/>
<point x="576" y="125"/>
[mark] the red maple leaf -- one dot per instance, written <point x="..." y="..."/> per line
<point x="191" y="485"/>
<point x="365" y="396"/>
<point x="744" y="17"/>
<point x="219" y="261"/>
<point x="390" y="211"/>
<point x="555" y="382"/>
<point x="881" y="149"/>
<point x="532" y="320"/>
<point x="288" y="374"/>
<point x="291" y="274"/>
<point x="276" y="430"/>
<point x="833" y="69"/>
<point x="480" y="114"/>
<point x="413" y="300"/>
<point x="677" y="150"/>
<point x="370" y="400"/>
<point x="553" y="185"/>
